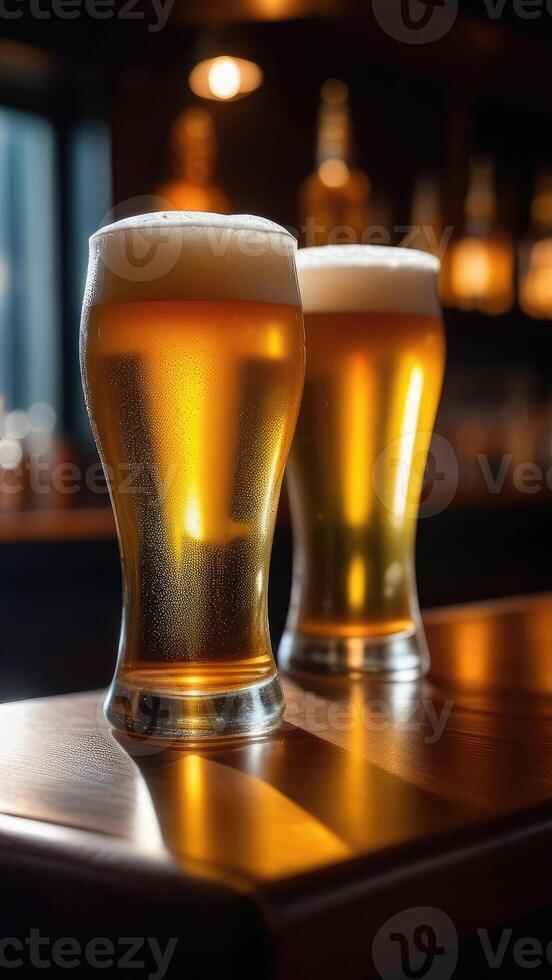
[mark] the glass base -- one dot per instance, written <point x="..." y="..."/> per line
<point x="400" y="656"/>
<point x="245" y="712"/>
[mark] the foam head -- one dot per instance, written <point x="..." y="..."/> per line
<point x="368" y="278"/>
<point x="186" y="255"/>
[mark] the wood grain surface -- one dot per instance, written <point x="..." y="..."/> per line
<point x="371" y="798"/>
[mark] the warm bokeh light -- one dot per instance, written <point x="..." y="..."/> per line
<point x="535" y="289"/>
<point x="480" y="270"/>
<point x="541" y="207"/>
<point x="333" y="173"/>
<point x="225" y="78"/>
<point x="334" y="91"/>
<point x="535" y="254"/>
<point x="481" y="274"/>
<point x="471" y="270"/>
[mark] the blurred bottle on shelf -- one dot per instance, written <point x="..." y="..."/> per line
<point x="535" y="254"/>
<point x="334" y="201"/>
<point x="426" y="219"/>
<point x="194" y="147"/>
<point x="480" y="272"/>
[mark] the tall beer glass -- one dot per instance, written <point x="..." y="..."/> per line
<point x="375" y="360"/>
<point x="192" y="353"/>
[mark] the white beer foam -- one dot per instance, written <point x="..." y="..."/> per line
<point x="368" y="278"/>
<point x="188" y="255"/>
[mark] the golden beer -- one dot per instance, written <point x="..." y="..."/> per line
<point x="193" y="382"/>
<point x="375" y="360"/>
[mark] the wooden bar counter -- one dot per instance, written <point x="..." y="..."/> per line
<point x="285" y="857"/>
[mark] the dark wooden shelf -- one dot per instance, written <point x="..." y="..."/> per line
<point x="79" y="523"/>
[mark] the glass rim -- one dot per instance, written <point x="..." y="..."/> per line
<point x="182" y="221"/>
<point x="349" y="256"/>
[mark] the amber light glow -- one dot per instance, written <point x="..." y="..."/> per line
<point x="535" y="292"/>
<point x="217" y="814"/>
<point x="535" y="255"/>
<point x="481" y="268"/>
<point x="333" y="173"/>
<point x="482" y="274"/>
<point x="225" y="78"/>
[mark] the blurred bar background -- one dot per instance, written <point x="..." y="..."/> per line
<point x="307" y="112"/>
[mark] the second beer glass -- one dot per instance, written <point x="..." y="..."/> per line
<point x="192" y="352"/>
<point x="375" y="360"/>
